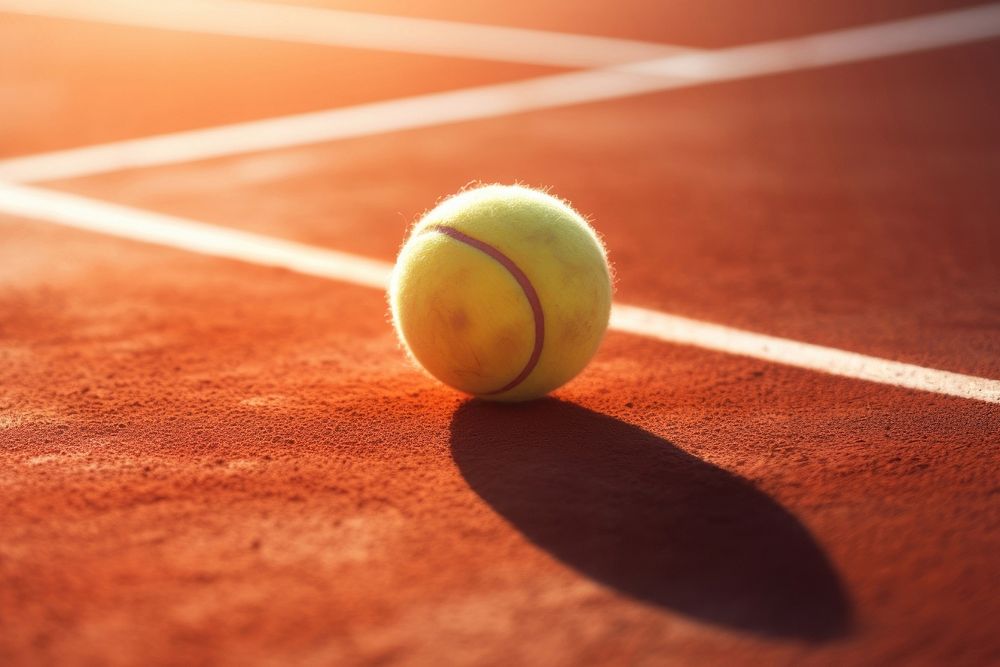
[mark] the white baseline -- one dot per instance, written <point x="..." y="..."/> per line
<point x="333" y="27"/>
<point x="164" y="230"/>
<point x="493" y="101"/>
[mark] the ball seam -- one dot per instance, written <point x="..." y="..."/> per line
<point x="526" y="287"/>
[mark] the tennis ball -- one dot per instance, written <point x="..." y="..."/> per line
<point x="503" y="292"/>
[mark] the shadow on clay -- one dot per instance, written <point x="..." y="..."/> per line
<point x="637" y="514"/>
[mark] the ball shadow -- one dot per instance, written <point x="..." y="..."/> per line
<point x="635" y="513"/>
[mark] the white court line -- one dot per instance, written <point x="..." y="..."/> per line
<point x="830" y="48"/>
<point x="331" y="27"/>
<point x="184" y="234"/>
<point x="125" y="222"/>
<point x="684" y="331"/>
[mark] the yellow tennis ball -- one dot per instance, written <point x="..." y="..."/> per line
<point x="502" y="291"/>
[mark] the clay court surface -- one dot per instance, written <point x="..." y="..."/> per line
<point x="211" y="458"/>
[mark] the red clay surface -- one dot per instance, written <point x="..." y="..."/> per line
<point x="205" y="462"/>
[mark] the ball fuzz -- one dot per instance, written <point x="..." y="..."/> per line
<point x="502" y="292"/>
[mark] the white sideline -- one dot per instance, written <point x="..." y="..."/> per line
<point x="685" y="331"/>
<point x="491" y="101"/>
<point x="125" y="222"/>
<point x="332" y="27"/>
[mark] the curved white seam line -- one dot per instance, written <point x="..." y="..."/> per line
<point x="498" y="100"/>
<point x="333" y="27"/>
<point x="174" y="232"/>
